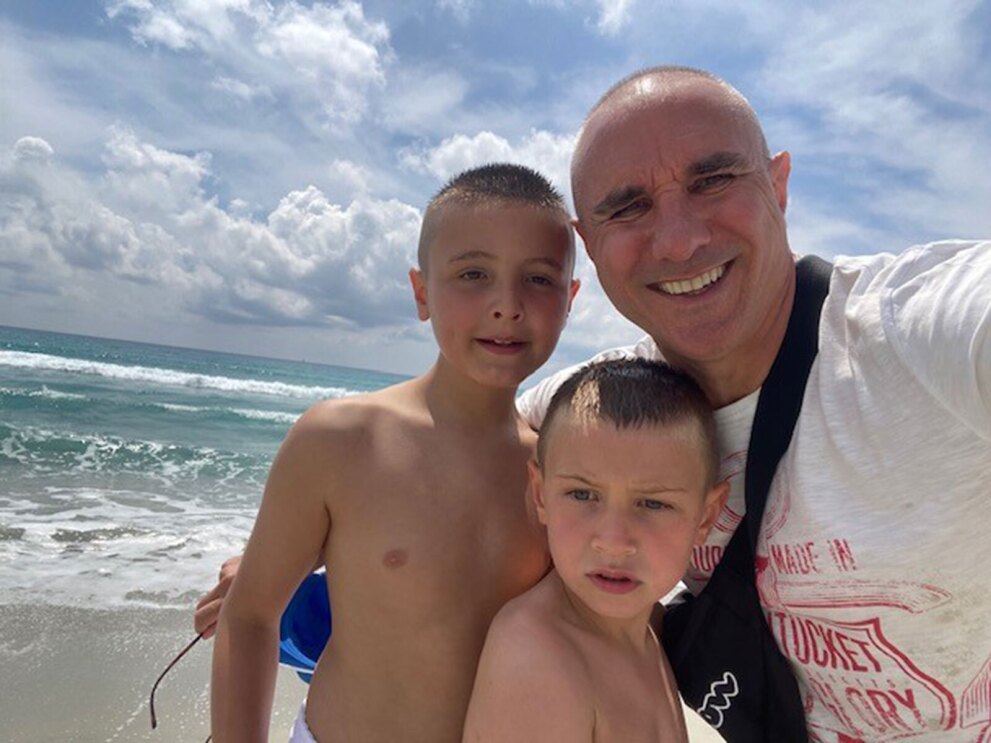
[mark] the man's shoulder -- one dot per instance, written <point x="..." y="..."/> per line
<point x="533" y="403"/>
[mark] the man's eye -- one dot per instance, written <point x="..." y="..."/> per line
<point x="630" y="210"/>
<point x="712" y="182"/>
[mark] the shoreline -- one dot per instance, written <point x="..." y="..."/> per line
<point x="72" y="673"/>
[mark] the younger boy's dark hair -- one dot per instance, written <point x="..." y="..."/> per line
<point x="486" y="184"/>
<point x="630" y="393"/>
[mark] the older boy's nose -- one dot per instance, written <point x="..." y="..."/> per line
<point x="507" y="304"/>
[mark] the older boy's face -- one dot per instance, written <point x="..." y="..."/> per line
<point x="497" y="288"/>
<point x="623" y="510"/>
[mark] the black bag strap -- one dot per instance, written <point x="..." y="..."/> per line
<point x="780" y="399"/>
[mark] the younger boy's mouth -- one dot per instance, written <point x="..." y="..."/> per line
<point x="614" y="581"/>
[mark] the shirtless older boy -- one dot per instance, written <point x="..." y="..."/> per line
<point x="412" y="496"/>
<point x="626" y="482"/>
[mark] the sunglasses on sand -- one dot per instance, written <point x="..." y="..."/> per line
<point x="154" y="688"/>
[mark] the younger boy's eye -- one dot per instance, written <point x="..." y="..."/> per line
<point x="472" y="274"/>
<point x="541" y="280"/>
<point x="654" y="505"/>
<point x="581" y="495"/>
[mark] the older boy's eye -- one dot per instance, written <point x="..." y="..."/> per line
<point x="581" y="495"/>
<point x="541" y="280"/>
<point x="472" y="274"/>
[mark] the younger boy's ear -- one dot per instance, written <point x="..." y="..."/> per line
<point x="715" y="501"/>
<point x="536" y="489"/>
<point x="419" y="283"/>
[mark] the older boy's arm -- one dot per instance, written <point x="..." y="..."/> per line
<point x="288" y="535"/>
<point x="528" y="691"/>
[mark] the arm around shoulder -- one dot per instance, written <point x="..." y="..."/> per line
<point x="530" y="687"/>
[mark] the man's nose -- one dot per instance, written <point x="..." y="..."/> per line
<point x="679" y="229"/>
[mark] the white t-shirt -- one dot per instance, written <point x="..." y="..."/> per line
<point x="874" y="562"/>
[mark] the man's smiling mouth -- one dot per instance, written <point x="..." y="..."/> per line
<point x="694" y="284"/>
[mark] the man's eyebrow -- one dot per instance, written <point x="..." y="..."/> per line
<point x="617" y="198"/>
<point x="716" y="162"/>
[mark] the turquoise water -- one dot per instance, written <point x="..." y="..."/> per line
<point x="129" y="471"/>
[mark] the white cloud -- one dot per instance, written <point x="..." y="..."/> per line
<point x="310" y="262"/>
<point x="332" y="54"/>
<point x="614" y="16"/>
<point x="544" y="151"/>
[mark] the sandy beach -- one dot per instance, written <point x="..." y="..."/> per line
<point x="69" y="674"/>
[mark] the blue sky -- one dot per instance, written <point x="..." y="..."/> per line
<point x="249" y="176"/>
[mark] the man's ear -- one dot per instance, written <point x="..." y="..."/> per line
<point x="715" y="501"/>
<point x="419" y="283"/>
<point x="536" y="489"/>
<point x="580" y="229"/>
<point x="780" y="170"/>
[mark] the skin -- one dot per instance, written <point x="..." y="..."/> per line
<point x="573" y="659"/>
<point x="414" y="499"/>
<point x="672" y="181"/>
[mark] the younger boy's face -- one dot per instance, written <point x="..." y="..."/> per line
<point x="497" y="288"/>
<point x="623" y="509"/>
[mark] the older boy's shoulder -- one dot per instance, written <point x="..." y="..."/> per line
<point x="348" y="425"/>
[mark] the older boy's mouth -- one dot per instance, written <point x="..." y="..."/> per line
<point x="502" y="345"/>
<point x="614" y="581"/>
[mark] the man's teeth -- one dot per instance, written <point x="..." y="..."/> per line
<point x="694" y="284"/>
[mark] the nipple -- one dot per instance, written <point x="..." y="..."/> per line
<point x="395" y="558"/>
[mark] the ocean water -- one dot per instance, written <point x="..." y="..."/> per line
<point x="129" y="471"/>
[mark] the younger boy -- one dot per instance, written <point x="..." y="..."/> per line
<point x="625" y="482"/>
<point x="413" y="496"/>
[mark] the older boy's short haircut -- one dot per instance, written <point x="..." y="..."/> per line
<point x="632" y="393"/>
<point x="490" y="184"/>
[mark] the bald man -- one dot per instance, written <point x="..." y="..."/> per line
<point x="873" y="556"/>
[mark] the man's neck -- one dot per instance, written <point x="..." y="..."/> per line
<point x="735" y="375"/>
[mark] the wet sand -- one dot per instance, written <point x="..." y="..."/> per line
<point x="70" y="674"/>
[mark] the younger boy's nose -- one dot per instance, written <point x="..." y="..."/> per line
<point x="614" y="540"/>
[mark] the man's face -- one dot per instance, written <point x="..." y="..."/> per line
<point x="682" y="213"/>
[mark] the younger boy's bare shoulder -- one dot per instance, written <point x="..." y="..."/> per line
<point x="533" y="683"/>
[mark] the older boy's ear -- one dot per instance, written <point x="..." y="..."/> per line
<point x="715" y="501"/>
<point x="576" y="284"/>
<point x="419" y="283"/>
<point x="536" y="489"/>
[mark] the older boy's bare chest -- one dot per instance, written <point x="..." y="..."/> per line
<point x="440" y="523"/>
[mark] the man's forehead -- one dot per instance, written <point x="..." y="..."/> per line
<point x="679" y="126"/>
